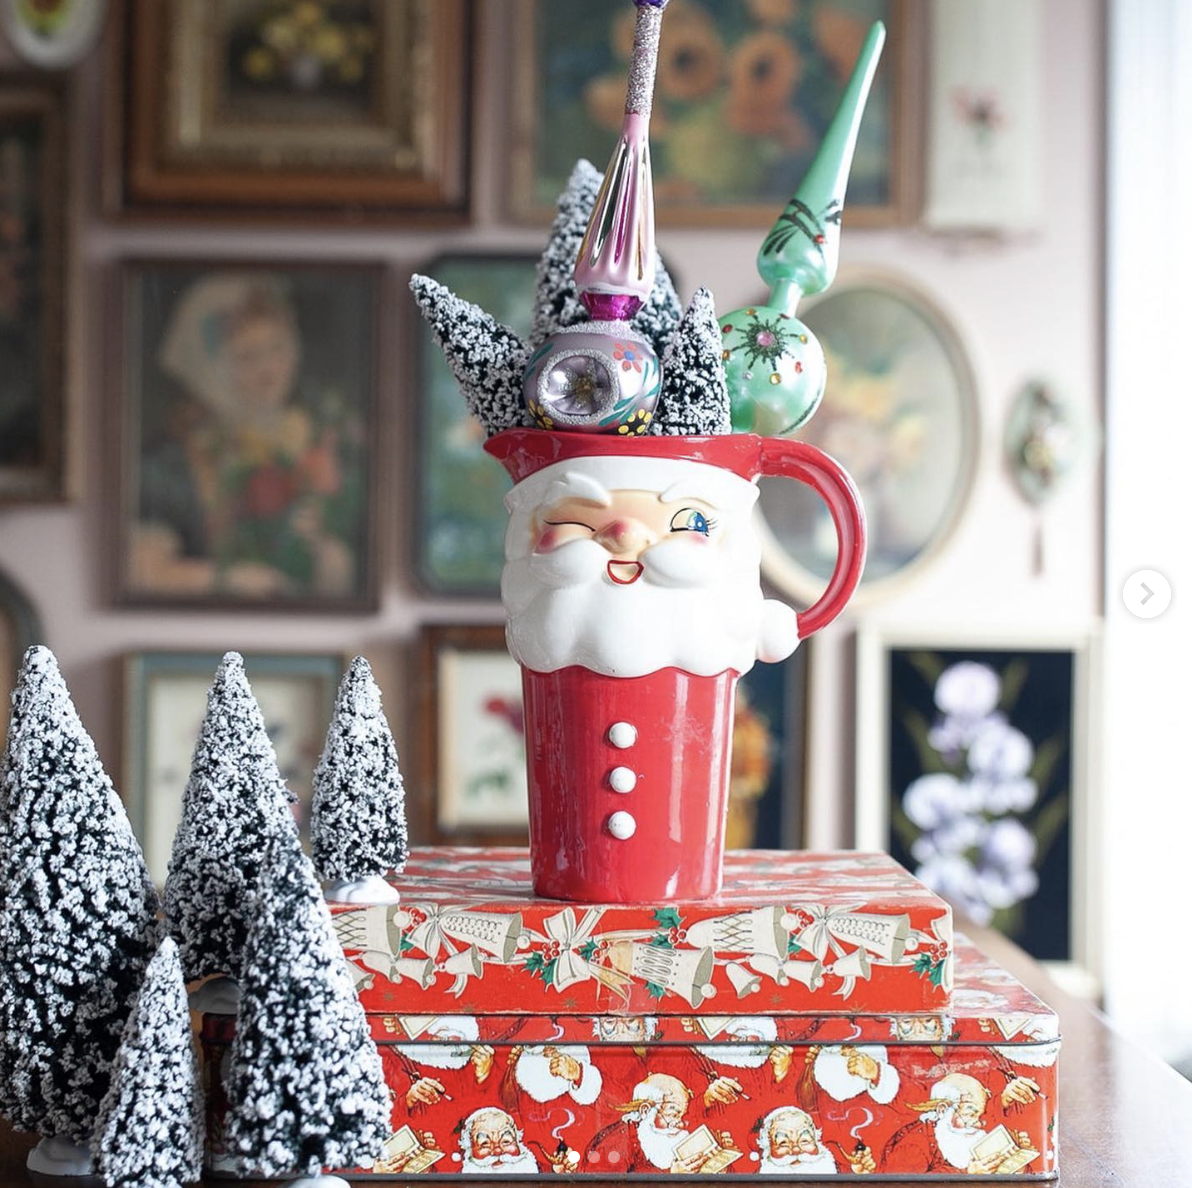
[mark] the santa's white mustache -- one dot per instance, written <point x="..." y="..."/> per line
<point x="672" y="562"/>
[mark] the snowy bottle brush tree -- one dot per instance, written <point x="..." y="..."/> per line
<point x="305" y="1088"/>
<point x="78" y="921"/>
<point x="358" y="816"/>
<point x="234" y="801"/>
<point x="150" y="1129"/>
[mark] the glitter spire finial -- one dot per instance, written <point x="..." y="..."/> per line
<point x="615" y="269"/>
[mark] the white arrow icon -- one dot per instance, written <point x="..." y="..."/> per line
<point x="1147" y="594"/>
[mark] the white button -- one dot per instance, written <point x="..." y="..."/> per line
<point x="622" y="825"/>
<point x="622" y="735"/>
<point x="622" y="779"/>
<point x="1147" y="594"/>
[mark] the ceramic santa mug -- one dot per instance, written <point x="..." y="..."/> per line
<point x="633" y="594"/>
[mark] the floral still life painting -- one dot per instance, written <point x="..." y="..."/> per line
<point x="900" y="414"/>
<point x="743" y="96"/>
<point x="981" y="785"/>
<point x="249" y="412"/>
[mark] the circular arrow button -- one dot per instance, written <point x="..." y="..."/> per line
<point x="1147" y="594"/>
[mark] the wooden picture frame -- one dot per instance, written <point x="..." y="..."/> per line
<point x="33" y="264"/>
<point x="707" y="40"/>
<point x="1054" y="797"/>
<point x="159" y="737"/>
<point x="246" y="408"/>
<point x="364" y="117"/>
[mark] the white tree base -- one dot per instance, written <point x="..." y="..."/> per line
<point x="219" y="996"/>
<point x="320" y="1182"/>
<point x="373" y="889"/>
<point x="57" y="1156"/>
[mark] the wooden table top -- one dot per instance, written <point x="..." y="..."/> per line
<point x="1125" y="1116"/>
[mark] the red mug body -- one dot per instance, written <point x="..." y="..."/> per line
<point x="629" y="742"/>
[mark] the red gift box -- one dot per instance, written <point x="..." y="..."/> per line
<point x="844" y="931"/>
<point x="969" y="1090"/>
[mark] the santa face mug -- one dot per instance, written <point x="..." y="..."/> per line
<point x="633" y="594"/>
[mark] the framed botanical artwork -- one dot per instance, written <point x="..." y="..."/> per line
<point x="743" y="96"/>
<point x="472" y="779"/>
<point x="471" y="787"/>
<point x="459" y="524"/>
<point x="20" y="628"/>
<point x="32" y="277"/>
<point x="165" y="699"/>
<point x="307" y="107"/>
<point x="973" y="771"/>
<point x="247" y="415"/>
<point x="901" y="414"/>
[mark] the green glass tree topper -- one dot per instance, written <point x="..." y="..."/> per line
<point x="774" y="365"/>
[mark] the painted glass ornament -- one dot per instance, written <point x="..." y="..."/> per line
<point x="774" y="365"/>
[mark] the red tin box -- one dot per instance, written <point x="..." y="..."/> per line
<point x="790" y="932"/>
<point x="972" y="1090"/>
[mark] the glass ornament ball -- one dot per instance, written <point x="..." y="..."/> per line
<point x="775" y="370"/>
<point x="596" y="377"/>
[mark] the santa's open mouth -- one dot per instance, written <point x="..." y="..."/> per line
<point x="625" y="573"/>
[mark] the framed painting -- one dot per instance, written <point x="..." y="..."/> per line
<point x="472" y="788"/>
<point x="20" y="628"/>
<point x="973" y="771"/>
<point x="900" y="391"/>
<point x="459" y="524"/>
<point x="744" y="93"/>
<point x="247" y="413"/>
<point x="165" y="699"/>
<point x="32" y="277"/>
<point x="301" y="107"/>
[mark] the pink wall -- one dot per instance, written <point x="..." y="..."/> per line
<point x="1025" y="308"/>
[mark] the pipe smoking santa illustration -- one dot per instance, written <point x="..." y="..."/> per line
<point x="632" y="582"/>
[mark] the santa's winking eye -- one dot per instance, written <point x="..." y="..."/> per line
<point x="689" y="519"/>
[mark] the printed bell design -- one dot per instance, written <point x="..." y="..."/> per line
<point x="376" y="928"/>
<point x="887" y="936"/>
<point x="685" y="972"/>
<point x="417" y="969"/>
<point x="492" y="932"/>
<point x="742" y="980"/>
<point x="759" y="931"/>
<point x="810" y="973"/>
<point x="774" y="365"/>
<point x="769" y="967"/>
<point x="854" y="965"/>
<point x="467" y="963"/>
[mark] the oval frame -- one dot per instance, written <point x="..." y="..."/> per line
<point x="780" y="568"/>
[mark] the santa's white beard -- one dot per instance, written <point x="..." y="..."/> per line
<point x="820" y="1164"/>
<point x="696" y="606"/>
<point x="504" y="1165"/>
<point x="735" y="1056"/>
<point x="834" y="1078"/>
<point x="956" y="1142"/>
<point x="533" y="1074"/>
<point x="436" y="1055"/>
<point x="658" y="1145"/>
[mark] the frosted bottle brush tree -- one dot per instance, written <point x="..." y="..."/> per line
<point x="358" y="817"/>
<point x="305" y="1088"/>
<point x="234" y="801"/>
<point x="150" y="1129"/>
<point x="78" y="920"/>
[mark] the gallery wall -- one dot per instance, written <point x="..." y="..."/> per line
<point x="1026" y="306"/>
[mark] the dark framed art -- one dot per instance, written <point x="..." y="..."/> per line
<point x="33" y="240"/>
<point x="20" y="628"/>
<point x="458" y="530"/>
<point x="248" y="422"/>
<point x="972" y="770"/>
<point x="165" y="698"/>
<point x="307" y="107"/>
<point x="743" y="95"/>
<point x="471" y="787"/>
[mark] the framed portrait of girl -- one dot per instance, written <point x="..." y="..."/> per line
<point x="247" y="413"/>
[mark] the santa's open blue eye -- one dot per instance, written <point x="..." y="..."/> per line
<point x="691" y="520"/>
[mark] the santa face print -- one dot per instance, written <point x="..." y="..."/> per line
<point x="968" y="1113"/>
<point x="789" y="1136"/>
<point x="494" y="1139"/>
<point x="626" y="526"/>
<point x="624" y="1029"/>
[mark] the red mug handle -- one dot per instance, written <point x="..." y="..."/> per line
<point x="797" y="460"/>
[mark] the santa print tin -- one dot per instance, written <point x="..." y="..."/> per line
<point x="969" y="1091"/>
<point x="833" y="932"/>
